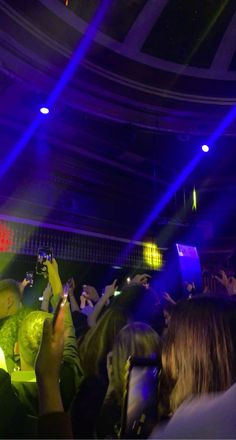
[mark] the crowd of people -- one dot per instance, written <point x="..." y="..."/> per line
<point x="63" y="368"/>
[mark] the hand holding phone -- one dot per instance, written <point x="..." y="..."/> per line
<point x="30" y="278"/>
<point x="111" y="289"/>
<point x="139" y="412"/>
<point x="44" y="254"/>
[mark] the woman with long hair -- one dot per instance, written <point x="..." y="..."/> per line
<point x="138" y="340"/>
<point x="199" y="352"/>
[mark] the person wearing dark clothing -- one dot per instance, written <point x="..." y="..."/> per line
<point x="14" y="422"/>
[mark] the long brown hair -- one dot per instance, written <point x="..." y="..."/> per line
<point x="199" y="351"/>
<point x="99" y="340"/>
<point x="136" y="339"/>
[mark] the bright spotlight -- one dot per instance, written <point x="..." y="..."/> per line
<point x="44" y="110"/>
<point x="205" y="148"/>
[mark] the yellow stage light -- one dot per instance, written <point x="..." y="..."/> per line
<point x="152" y="256"/>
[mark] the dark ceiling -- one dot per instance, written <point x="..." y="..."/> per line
<point x="156" y="83"/>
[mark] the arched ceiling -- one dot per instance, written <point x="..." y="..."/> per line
<point x="156" y="82"/>
<point x="162" y="64"/>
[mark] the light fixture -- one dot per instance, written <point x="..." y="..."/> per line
<point x="152" y="256"/>
<point x="205" y="148"/>
<point x="44" y="110"/>
<point x="194" y="205"/>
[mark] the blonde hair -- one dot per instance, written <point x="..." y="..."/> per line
<point x="136" y="339"/>
<point x="30" y="334"/>
<point x="9" y="285"/>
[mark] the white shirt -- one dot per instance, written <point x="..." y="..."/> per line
<point x="210" y="416"/>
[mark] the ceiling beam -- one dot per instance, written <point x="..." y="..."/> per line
<point x="147" y="18"/>
<point x="226" y="48"/>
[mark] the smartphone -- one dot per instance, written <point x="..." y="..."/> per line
<point x="29" y="276"/>
<point x="61" y="303"/>
<point x="71" y="283"/>
<point x="139" y="412"/>
<point x="44" y="254"/>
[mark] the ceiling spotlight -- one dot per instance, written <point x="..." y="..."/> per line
<point x="205" y="148"/>
<point x="44" y="110"/>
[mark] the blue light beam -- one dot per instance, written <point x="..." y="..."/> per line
<point x="74" y="62"/>
<point x="19" y="147"/>
<point x="79" y="53"/>
<point x="160" y="205"/>
<point x="228" y="119"/>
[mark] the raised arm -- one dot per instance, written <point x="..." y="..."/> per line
<point x="228" y="282"/>
<point x="71" y="293"/>
<point x="108" y="293"/>
<point x="47" y="293"/>
<point x="47" y="366"/>
<point x="54" y="277"/>
<point x="53" y="422"/>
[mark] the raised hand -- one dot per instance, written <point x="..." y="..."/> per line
<point x="110" y="289"/>
<point x="142" y="279"/>
<point x="71" y="286"/>
<point x="54" y="277"/>
<point x="90" y="293"/>
<point x="231" y="286"/>
<point x="228" y="282"/>
<point x="223" y="279"/>
<point x="22" y="285"/>
<point x="168" y="298"/>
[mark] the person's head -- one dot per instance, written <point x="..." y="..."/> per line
<point x="90" y="293"/>
<point x="10" y="298"/>
<point x="138" y="302"/>
<point x="135" y="339"/>
<point x="99" y="340"/>
<point x="199" y="353"/>
<point x="29" y="338"/>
